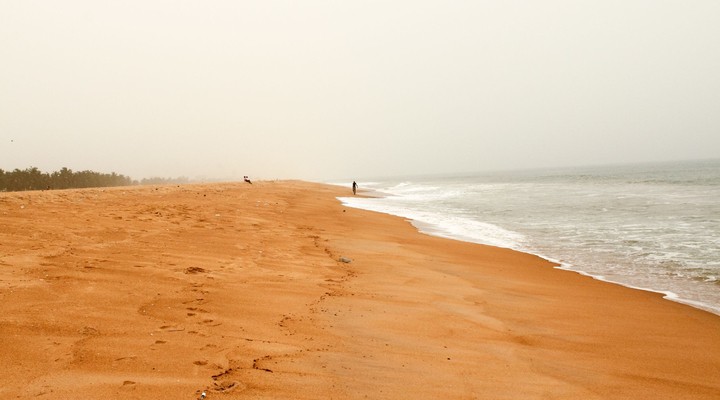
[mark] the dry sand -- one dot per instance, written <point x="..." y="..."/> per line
<point x="236" y="289"/>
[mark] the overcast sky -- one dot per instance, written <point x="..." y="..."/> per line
<point x="323" y="90"/>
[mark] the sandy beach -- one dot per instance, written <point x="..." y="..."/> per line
<point x="239" y="290"/>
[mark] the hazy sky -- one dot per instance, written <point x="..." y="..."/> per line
<point x="323" y="90"/>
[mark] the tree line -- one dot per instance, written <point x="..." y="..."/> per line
<point x="34" y="179"/>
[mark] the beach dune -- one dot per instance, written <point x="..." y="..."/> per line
<point x="239" y="290"/>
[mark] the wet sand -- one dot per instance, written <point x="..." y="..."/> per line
<point x="237" y="290"/>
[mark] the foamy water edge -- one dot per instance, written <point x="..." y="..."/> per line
<point x="433" y="230"/>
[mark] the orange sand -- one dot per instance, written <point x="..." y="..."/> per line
<point x="236" y="289"/>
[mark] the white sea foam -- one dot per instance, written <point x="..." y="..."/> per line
<point x="443" y="225"/>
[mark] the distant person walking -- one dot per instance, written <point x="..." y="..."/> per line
<point x="354" y="187"/>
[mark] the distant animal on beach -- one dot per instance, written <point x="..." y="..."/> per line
<point x="246" y="179"/>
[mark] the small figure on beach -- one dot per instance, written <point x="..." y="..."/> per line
<point x="354" y="187"/>
<point x="246" y="179"/>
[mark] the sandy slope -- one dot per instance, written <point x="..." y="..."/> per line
<point x="236" y="289"/>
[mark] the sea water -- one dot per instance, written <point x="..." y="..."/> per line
<point x="652" y="226"/>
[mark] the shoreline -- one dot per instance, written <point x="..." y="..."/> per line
<point x="238" y="290"/>
<point x="433" y="230"/>
<point x="666" y="294"/>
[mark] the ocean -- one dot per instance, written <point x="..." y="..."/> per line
<point x="647" y="226"/>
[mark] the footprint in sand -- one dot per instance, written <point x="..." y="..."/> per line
<point x="199" y="300"/>
<point x="171" y="328"/>
<point x="89" y="331"/>
<point x="228" y="386"/>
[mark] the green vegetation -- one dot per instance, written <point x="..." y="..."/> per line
<point x="33" y="179"/>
